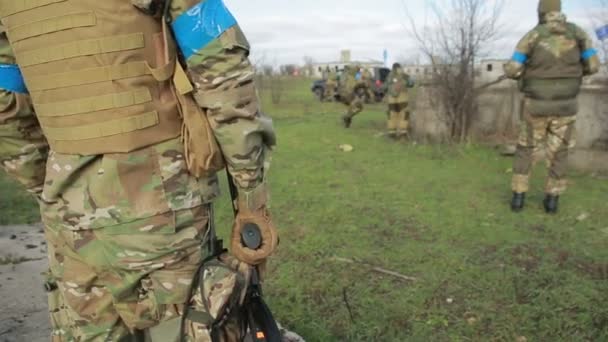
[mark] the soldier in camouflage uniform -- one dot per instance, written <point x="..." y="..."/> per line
<point x="350" y="94"/>
<point x="330" y="84"/>
<point x="120" y="149"/>
<point x="397" y="84"/>
<point x="368" y="78"/>
<point x="550" y="62"/>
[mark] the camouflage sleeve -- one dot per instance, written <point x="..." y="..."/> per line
<point x="589" y="56"/>
<point x="23" y="149"/>
<point x="223" y="79"/>
<point x="151" y="7"/>
<point x="516" y="66"/>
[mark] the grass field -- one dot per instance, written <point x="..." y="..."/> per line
<point x="436" y="213"/>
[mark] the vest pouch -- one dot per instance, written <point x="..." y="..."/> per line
<point x="567" y="107"/>
<point x="202" y="152"/>
<point x="552" y="89"/>
<point x="396" y="88"/>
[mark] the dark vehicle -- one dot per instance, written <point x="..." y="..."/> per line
<point x="380" y="75"/>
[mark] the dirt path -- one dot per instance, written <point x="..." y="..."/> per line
<point x="23" y="313"/>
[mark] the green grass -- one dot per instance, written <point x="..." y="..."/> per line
<point x="434" y="212"/>
<point x="16" y="206"/>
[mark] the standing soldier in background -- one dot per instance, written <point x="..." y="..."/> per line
<point x="550" y="62"/>
<point x="330" y="84"/>
<point x="368" y="79"/>
<point x="397" y="97"/>
<point x="325" y="74"/>
<point x="131" y="171"/>
<point x="350" y="93"/>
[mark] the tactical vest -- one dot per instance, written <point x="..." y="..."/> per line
<point x="554" y="72"/>
<point x="100" y="80"/>
<point x="397" y="88"/>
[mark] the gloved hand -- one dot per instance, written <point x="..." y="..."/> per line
<point x="253" y="212"/>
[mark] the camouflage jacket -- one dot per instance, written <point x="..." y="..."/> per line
<point x="553" y="24"/>
<point x="550" y="62"/>
<point x="397" y="84"/>
<point x="86" y="192"/>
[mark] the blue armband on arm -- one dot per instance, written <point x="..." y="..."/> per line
<point x="519" y="57"/>
<point x="11" y="79"/>
<point x="200" y="25"/>
<point x="588" y="54"/>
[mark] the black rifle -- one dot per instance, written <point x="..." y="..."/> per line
<point x="260" y="321"/>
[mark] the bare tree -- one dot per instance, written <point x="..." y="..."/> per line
<point x="599" y="19"/>
<point x="455" y="38"/>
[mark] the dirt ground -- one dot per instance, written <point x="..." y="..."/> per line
<point x="24" y="313"/>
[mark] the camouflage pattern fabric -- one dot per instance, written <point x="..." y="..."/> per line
<point x="398" y="121"/>
<point x="553" y="135"/>
<point x="130" y="276"/>
<point x="23" y="148"/>
<point x="349" y="94"/>
<point x="354" y="107"/>
<point x="245" y="134"/>
<point x="368" y="78"/>
<point x="126" y="232"/>
<point x="397" y="83"/>
<point x="550" y="62"/>
<point x="330" y="86"/>
<point x="557" y="25"/>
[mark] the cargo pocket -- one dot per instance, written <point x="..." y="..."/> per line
<point x="170" y="290"/>
<point x="61" y="321"/>
<point x="219" y="292"/>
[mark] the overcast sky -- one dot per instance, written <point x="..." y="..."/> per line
<point x="283" y="31"/>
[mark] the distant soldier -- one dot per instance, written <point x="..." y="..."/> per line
<point x="330" y="84"/>
<point x="325" y="74"/>
<point x="550" y="62"/>
<point x="350" y="83"/>
<point x="368" y="79"/>
<point x="397" y="84"/>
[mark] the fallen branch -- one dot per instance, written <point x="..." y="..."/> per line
<point x="376" y="269"/>
<point x="350" y="311"/>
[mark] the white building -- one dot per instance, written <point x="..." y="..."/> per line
<point x="319" y="68"/>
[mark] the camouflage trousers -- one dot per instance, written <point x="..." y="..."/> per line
<point x="330" y="91"/>
<point x="398" y="119"/>
<point x="553" y="135"/>
<point x="122" y="283"/>
<point x="355" y="106"/>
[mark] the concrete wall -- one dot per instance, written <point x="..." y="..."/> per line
<point x="498" y="119"/>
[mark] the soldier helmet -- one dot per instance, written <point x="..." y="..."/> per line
<point x="396" y="66"/>
<point x="546" y="6"/>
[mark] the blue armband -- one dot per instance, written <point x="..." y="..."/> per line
<point x="588" y="54"/>
<point x="11" y="79"/>
<point x="200" y="25"/>
<point x="519" y="57"/>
